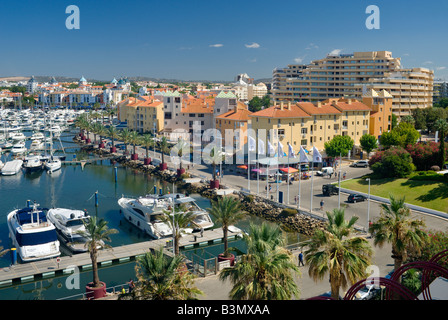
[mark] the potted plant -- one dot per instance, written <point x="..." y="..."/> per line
<point x="226" y="211"/>
<point x="179" y="149"/>
<point x="113" y="134"/>
<point x="163" y="146"/>
<point x="97" y="234"/>
<point x="216" y="158"/>
<point x="134" y="138"/>
<point x="146" y="140"/>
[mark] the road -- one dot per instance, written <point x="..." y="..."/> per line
<point x="309" y="288"/>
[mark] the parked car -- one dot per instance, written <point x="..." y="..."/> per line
<point x="353" y="198"/>
<point x="367" y="293"/>
<point x="329" y="189"/>
<point x="360" y="164"/>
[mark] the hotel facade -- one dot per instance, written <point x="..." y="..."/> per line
<point x="350" y="75"/>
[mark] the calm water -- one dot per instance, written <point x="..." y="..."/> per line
<point x="72" y="187"/>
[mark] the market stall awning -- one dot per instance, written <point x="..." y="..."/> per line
<point x="242" y="167"/>
<point x="288" y="170"/>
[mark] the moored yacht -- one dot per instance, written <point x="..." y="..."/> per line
<point x="33" y="164"/>
<point x="18" y="148"/>
<point x="32" y="234"/>
<point x="53" y="164"/>
<point x="68" y="224"/>
<point x="146" y="213"/>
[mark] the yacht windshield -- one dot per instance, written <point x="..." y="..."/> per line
<point x="36" y="238"/>
<point x="76" y="222"/>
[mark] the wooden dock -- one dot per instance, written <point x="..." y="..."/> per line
<point x="83" y="162"/>
<point x="31" y="271"/>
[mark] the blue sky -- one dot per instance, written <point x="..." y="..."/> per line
<point x="212" y="40"/>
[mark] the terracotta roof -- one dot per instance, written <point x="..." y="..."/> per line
<point x="279" y="112"/>
<point x="350" y="105"/>
<point x="239" y="115"/>
<point x="318" y="109"/>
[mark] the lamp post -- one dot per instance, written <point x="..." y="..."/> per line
<point x="368" y="207"/>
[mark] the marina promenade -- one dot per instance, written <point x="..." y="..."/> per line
<point x="48" y="268"/>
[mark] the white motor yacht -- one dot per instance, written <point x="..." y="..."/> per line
<point x="68" y="224"/>
<point x="37" y="145"/>
<point x="53" y="164"/>
<point x="32" y="234"/>
<point x="18" y="148"/>
<point x="145" y="213"/>
<point x="37" y="136"/>
<point x="33" y="164"/>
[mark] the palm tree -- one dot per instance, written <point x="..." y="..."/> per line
<point x="216" y="158"/>
<point x="124" y="136"/>
<point x="163" y="146"/>
<point x="335" y="251"/>
<point x="113" y="133"/>
<point x="396" y="227"/>
<point x="134" y="139"/>
<point x="226" y="211"/>
<point x="179" y="149"/>
<point x="441" y="126"/>
<point x="266" y="271"/>
<point x="177" y="221"/>
<point x="161" y="278"/>
<point x="97" y="234"/>
<point x="146" y="140"/>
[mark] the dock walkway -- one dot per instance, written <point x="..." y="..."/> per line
<point x="49" y="268"/>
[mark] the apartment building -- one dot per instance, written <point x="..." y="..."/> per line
<point x="233" y="125"/>
<point x="142" y="114"/>
<point x="331" y="77"/>
<point x="380" y="104"/>
<point x="310" y="124"/>
<point x="410" y="88"/>
<point x="440" y="90"/>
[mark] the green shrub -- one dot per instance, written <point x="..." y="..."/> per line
<point x="288" y="212"/>
<point x="396" y="162"/>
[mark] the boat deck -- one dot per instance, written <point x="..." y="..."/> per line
<point x="30" y="271"/>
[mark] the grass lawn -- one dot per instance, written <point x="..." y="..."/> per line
<point x="429" y="194"/>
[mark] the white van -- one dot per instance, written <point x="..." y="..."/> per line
<point x="326" y="171"/>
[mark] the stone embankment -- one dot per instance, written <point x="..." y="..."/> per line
<point x="289" y="219"/>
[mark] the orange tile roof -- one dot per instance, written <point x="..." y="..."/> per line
<point x="239" y="115"/>
<point x="197" y="105"/>
<point x="313" y="109"/>
<point x="278" y="112"/>
<point x="354" y="105"/>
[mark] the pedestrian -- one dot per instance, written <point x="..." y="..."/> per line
<point x="322" y="205"/>
<point x="301" y="259"/>
<point x="131" y="285"/>
<point x="123" y="291"/>
<point x="330" y="175"/>
<point x="202" y="232"/>
<point x="295" y="199"/>
<point x="343" y="177"/>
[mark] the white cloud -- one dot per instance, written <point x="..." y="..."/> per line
<point x="253" y="45"/>
<point x="428" y="62"/>
<point x="253" y="60"/>
<point x="217" y="45"/>
<point x="312" y="46"/>
<point x="335" y="52"/>
<point x="440" y="68"/>
<point x="298" y="60"/>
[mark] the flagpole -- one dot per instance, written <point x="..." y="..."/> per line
<point x="312" y="183"/>
<point x="258" y="174"/>
<point x="248" y="169"/>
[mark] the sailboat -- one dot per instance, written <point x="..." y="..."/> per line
<point x="54" y="163"/>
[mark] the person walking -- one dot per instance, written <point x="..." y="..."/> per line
<point x="322" y="205"/>
<point x="301" y="259"/>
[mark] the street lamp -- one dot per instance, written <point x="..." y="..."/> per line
<point x="368" y="206"/>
